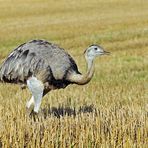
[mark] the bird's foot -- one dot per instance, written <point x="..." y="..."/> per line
<point x="35" y="116"/>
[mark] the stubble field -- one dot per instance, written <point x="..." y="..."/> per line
<point x="110" y="111"/>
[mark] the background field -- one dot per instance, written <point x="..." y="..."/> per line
<point x="112" y="110"/>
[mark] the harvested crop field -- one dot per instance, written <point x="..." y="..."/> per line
<point x="110" y="111"/>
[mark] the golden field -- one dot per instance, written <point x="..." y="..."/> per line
<point x="110" y="111"/>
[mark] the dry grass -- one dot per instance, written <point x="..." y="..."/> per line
<point x="112" y="110"/>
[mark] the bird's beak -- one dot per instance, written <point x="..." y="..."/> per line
<point x="106" y="52"/>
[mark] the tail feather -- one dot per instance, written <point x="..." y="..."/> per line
<point x="1" y="75"/>
<point x="1" y="80"/>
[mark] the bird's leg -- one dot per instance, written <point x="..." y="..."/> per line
<point x="36" y="87"/>
<point x="30" y="102"/>
<point x="37" y="101"/>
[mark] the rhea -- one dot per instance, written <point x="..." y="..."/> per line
<point x="44" y="66"/>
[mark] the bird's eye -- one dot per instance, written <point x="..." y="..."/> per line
<point x="96" y="48"/>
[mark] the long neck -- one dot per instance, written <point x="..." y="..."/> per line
<point x="90" y="71"/>
<point x="85" y="78"/>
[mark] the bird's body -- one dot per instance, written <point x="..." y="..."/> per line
<point x="44" y="66"/>
<point x="38" y="58"/>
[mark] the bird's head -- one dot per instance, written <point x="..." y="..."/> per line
<point x="93" y="51"/>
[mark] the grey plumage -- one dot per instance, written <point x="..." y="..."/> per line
<point x="41" y="59"/>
